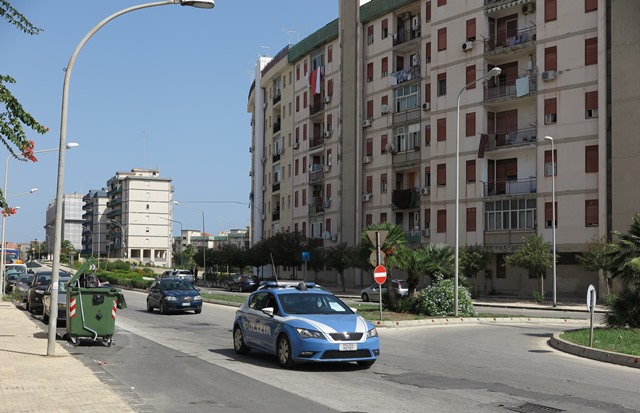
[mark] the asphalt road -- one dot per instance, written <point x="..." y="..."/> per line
<point x="186" y="362"/>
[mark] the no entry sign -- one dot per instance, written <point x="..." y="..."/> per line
<point x="380" y="274"/>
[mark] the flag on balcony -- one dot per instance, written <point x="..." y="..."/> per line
<point x="314" y="81"/>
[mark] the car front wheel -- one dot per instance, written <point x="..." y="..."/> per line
<point x="163" y="308"/>
<point x="149" y="306"/>
<point x="284" y="352"/>
<point x="365" y="297"/>
<point x="238" y="341"/>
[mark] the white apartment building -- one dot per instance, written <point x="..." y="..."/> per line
<point x="71" y="221"/>
<point x="386" y="115"/>
<point x="138" y="221"/>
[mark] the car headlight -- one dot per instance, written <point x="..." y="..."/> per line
<point x="197" y="298"/>
<point x="306" y="333"/>
<point x="62" y="305"/>
<point x="372" y="333"/>
<point x="170" y="298"/>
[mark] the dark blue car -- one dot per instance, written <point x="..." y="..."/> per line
<point x="174" y="294"/>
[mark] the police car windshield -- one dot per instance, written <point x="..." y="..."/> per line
<point x="310" y="303"/>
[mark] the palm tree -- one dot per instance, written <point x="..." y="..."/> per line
<point x="439" y="259"/>
<point x="626" y="253"/>
<point x="67" y="248"/>
<point x="415" y="264"/>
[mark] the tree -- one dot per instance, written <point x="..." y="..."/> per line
<point x="414" y="263"/>
<point x="338" y="258"/>
<point x="535" y="256"/>
<point x="598" y="256"/>
<point x="473" y="259"/>
<point x="14" y="118"/>
<point x="440" y="260"/>
<point x="626" y="253"/>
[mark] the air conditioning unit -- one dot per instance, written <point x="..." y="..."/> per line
<point x="466" y="46"/>
<point x="326" y="204"/>
<point x="296" y="145"/>
<point x="366" y="197"/>
<point x="327" y="99"/>
<point x="366" y="123"/>
<point x="528" y="8"/>
<point x="425" y="190"/>
<point x="426" y="232"/>
<point x="384" y="109"/>
<point x="415" y="22"/>
<point x="426" y="106"/>
<point x="549" y="75"/>
<point x="327" y="133"/>
<point x="366" y="159"/>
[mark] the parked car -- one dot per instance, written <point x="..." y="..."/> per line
<point x="10" y="279"/>
<point x="173" y="294"/>
<point x="21" y="289"/>
<point x="244" y="282"/>
<point x="304" y="324"/>
<point x="185" y="274"/>
<point x="372" y="292"/>
<point x="62" y="300"/>
<point x="39" y="284"/>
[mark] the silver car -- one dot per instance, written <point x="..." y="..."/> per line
<point x="372" y="292"/>
<point x="61" y="312"/>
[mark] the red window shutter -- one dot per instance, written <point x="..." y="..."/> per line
<point x="427" y="11"/>
<point x="296" y="167"/>
<point x="385" y="65"/>
<point x="591" y="212"/>
<point x="369" y="72"/>
<point x="550" y="106"/>
<point x="427" y="218"/>
<point x="442" y="129"/>
<point x="370" y="109"/>
<point x="511" y="167"/>
<point x="385" y="24"/>
<point x="471" y="171"/>
<point x="471" y="219"/>
<point x="304" y="165"/>
<point x="427" y="135"/>
<point x="471" y="29"/>
<point x="368" y="219"/>
<point x="591" y="51"/>
<point x="369" y="147"/>
<point x="304" y="228"/>
<point x="305" y="68"/>
<point x="327" y="225"/>
<point x="330" y="87"/>
<point x="383" y="144"/>
<point x="470" y="124"/>
<point x="591" y="158"/>
<point x="591" y="100"/>
<point x="590" y="5"/>
<point x="548" y="158"/>
<point x="427" y="52"/>
<point x="298" y="72"/>
<point x="470" y="77"/>
<point x="550" y="10"/>
<point x="329" y="54"/>
<point x="329" y="121"/>
<point x="442" y="221"/>
<point x="442" y="2"/>
<point x="304" y="197"/>
<point x="295" y="199"/>
<point x="328" y="191"/>
<point x="304" y="132"/>
<point x="383" y="182"/>
<point x="369" y="184"/>
<point x="551" y="58"/>
<point x="304" y="100"/>
<point x="383" y="217"/>
<point x="297" y="103"/>
<point x="427" y="92"/>
<point x="548" y="213"/>
<point x="442" y="39"/>
<point x="384" y="100"/>
<point x="442" y="174"/>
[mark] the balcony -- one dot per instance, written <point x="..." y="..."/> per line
<point x="315" y="141"/>
<point x="405" y="35"/>
<point x="522" y="39"/>
<point x="277" y="98"/>
<point x="510" y="139"/>
<point x="315" y="173"/>
<point x="114" y="191"/>
<point x="413" y="237"/>
<point x="510" y="187"/>
<point x="405" y="75"/>
<point x="275" y="216"/>
<point x="510" y="88"/>
<point x="276" y="127"/>
<point x="407" y="158"/>
<point x="316" y="208"/>
<point x="505" y="241"/>
<point x="276" y="157"/>
<point x="275" y="187"/>
<point x="405" y="198"/>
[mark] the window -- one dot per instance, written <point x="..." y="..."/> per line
<point x="590" y="5"/>
<point x="304" y="132"/>
<point x="442" y="221"/>
<point x="385" y="28"/>
<point x="550" y="10"/>
<point x="442" y="2"/>
<point x="295" y="199"/>
<point x="370" y="109"/>
<point x="441" y="129"/>
<point x="295" y="168"/>
<point x="327" y="225"/>
<point x="551" y="58"/>
<point x="427" y="93"/>
<point x="407" y="138"/>
<point x="383" y="183"/>
<point x="304" y="197"/>
<point x="427" y="135"/>
<point x="427" y="218"/>
<point x="442" y="174"/>
<point x="369" y="185"/>
<point x="471" y="171"/>
<point x="591" y="51"/>
<point x="551" y="163"/>
<point x="306" y="71"/>
<point x="368" y="150"/>
<point x="471" y="219"/>
<point x="384" y="66"/>
<point x="427" y="176"/>
<point x="591" y="213"/>
<point x="297" y="103"/>
<point x="370" y="35"/>
<point x="427" y="11"/>
<point x="548" y="215"/>
<point x="407" y="97"/>
<point x="304" y="100"/>
<point x="368" y="219"/>
<point x="304" y="164"/>
<point x="383" y="144"/>
<point x="442" y="39"/>
<point x="383" y="217"/>
<point x="550" y="111"/>
<point x="470" y="124"/>
<point x="591" y="159"/>
<point x="510" y="214"/>
<point x="471" y="29"/>
<point x="427" y="52"/>
<point x="442" y="84"/>
<point x="591" y="105"/>
<point x="329" y="54"/>
<point x="470" y="77"/>
<point x="328" y="191"/>
<point x="330" y="87"/>
<point x="330" y="122"/>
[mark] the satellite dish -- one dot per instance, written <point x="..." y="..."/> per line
<point x="326" y="235"/>
<point x="390" y="148"/>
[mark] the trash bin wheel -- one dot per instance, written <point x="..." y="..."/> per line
<point x="74" y="340"/>
<point x="107" y="341"/>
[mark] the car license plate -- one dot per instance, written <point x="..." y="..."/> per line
<point x="186" y="304"/>
<point x="348" y="347"/>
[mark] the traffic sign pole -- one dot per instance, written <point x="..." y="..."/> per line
<point x="380" y="275"/>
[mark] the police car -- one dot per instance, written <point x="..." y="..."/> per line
<point x="303" y="323"/>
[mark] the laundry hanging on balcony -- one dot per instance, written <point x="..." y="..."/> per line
<point x="522" y="86"/>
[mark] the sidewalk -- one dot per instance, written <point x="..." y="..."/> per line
<point x="32" y="381"/>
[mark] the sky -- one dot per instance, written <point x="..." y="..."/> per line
<point x="161" y="88"/>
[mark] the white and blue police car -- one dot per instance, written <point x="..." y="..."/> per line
<point x="303" y="323"/>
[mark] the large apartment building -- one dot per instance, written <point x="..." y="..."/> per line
<point x="71" y="221"/>
<point x="387" y="115"/>
<point x="94" y="227"/>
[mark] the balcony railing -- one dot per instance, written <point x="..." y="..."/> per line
<point x="510" y="187"/>
<point x="413" y="237"/>
<point x="317" y="140"/>
<point x="316" y="174"/>
<point x="316" y="208"/>
<point x="406" y="198"/>
<point x="517" y="137"/>
<point x="407" y="157"/>
<point x="275" y="216"/>
<point x="276" y="127"/>
<point x="511" y="87"/>
<point x="275" y="187"/>
<point x="277" y="98"/>
<point x="527" y="35"/>
<point x="405" y="75"/>
<point x="406" y="35"/>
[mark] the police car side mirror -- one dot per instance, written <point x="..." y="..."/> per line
<point x="268" y="311"/>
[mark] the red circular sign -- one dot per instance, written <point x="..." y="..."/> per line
<point x="380" y="274"/>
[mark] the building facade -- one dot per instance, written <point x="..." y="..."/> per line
<point x="386" y="115"/>
<point x="94" y="227"/>
<point x="71" y="221"/>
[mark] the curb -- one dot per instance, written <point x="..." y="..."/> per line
<point x="479" y="320"/>
<point x="593" y="354"/>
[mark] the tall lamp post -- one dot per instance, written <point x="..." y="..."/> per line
<point x="553" y="212"/>
<point x="123" y="237"/>
<point x="173" y="240"/>
<point x="204" y="249"/>
<point x="492" y="73"/>
<point x="57" y="244"/>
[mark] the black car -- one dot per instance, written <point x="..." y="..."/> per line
<point x="174" y="294"/>
<point x="38" y="286"/>
<point x="244" y="282"/>
<point x="21" y="289"/>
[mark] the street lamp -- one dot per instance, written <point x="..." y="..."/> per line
<point x="492" y="73"/>
<point x="204" y="249"/>
<point x="553" y="212"/>
<point x="123" y="237"/>
<point x="173" y="239"/>
<point x="57" y="244"/>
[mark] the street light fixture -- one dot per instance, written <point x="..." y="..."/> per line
<point x="492" y="73"/>
<point x="553" y="212"/>
<point x="57" y="244"/>
<point x="204" y="248"/>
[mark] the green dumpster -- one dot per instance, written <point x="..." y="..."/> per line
<point x="91" y="309"/>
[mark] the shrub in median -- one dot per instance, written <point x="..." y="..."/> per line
<point x="437" y="300"/>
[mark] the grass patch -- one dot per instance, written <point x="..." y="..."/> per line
<point x="232" y="298"/>
<point x="619" y="340"/>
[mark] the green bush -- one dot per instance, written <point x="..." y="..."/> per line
<point x="437" y="300"/>
<point x="117" y="265"/>
<point x="625" y="309"/>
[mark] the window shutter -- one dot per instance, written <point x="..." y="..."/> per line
<point x="330" y="87"/>
<point x="369" y="147"/>
<point x="471" y="171"/>
<point x="442" y="221"/>
<point x="329" y="54"/>
<point x="471" y="29"/>
<point x="590" y="5"/>
<point x="369" y="72"/>
<point x="550" y="10"/>
<point x="471" y="219"/>
<point x="591" y="100"/>
<point x="550" y="106"/>
<point x="328" y="191"/>
<point x="591" y="212"/>
<point x="442" y="39"/>
<point x="470" y="77"/>
<point x="370" y="109"/>
<point x="470" y="124"/>
<point x="427" y="92"/>
<point x="551" y="58"/>
<point x="385" y="66"/>
<point x="442" y="174"/>
<point x="591" y="51"/>
<point x="369" y="184"/>
<point x="548" y="213"/>
<point x="427" y="11"/>
<point x="442" y="129"/>
<point x="427" y="218"/>
<point x="591" y="158"/>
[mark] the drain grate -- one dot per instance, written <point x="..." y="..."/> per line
<point x="534" y="408"/>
